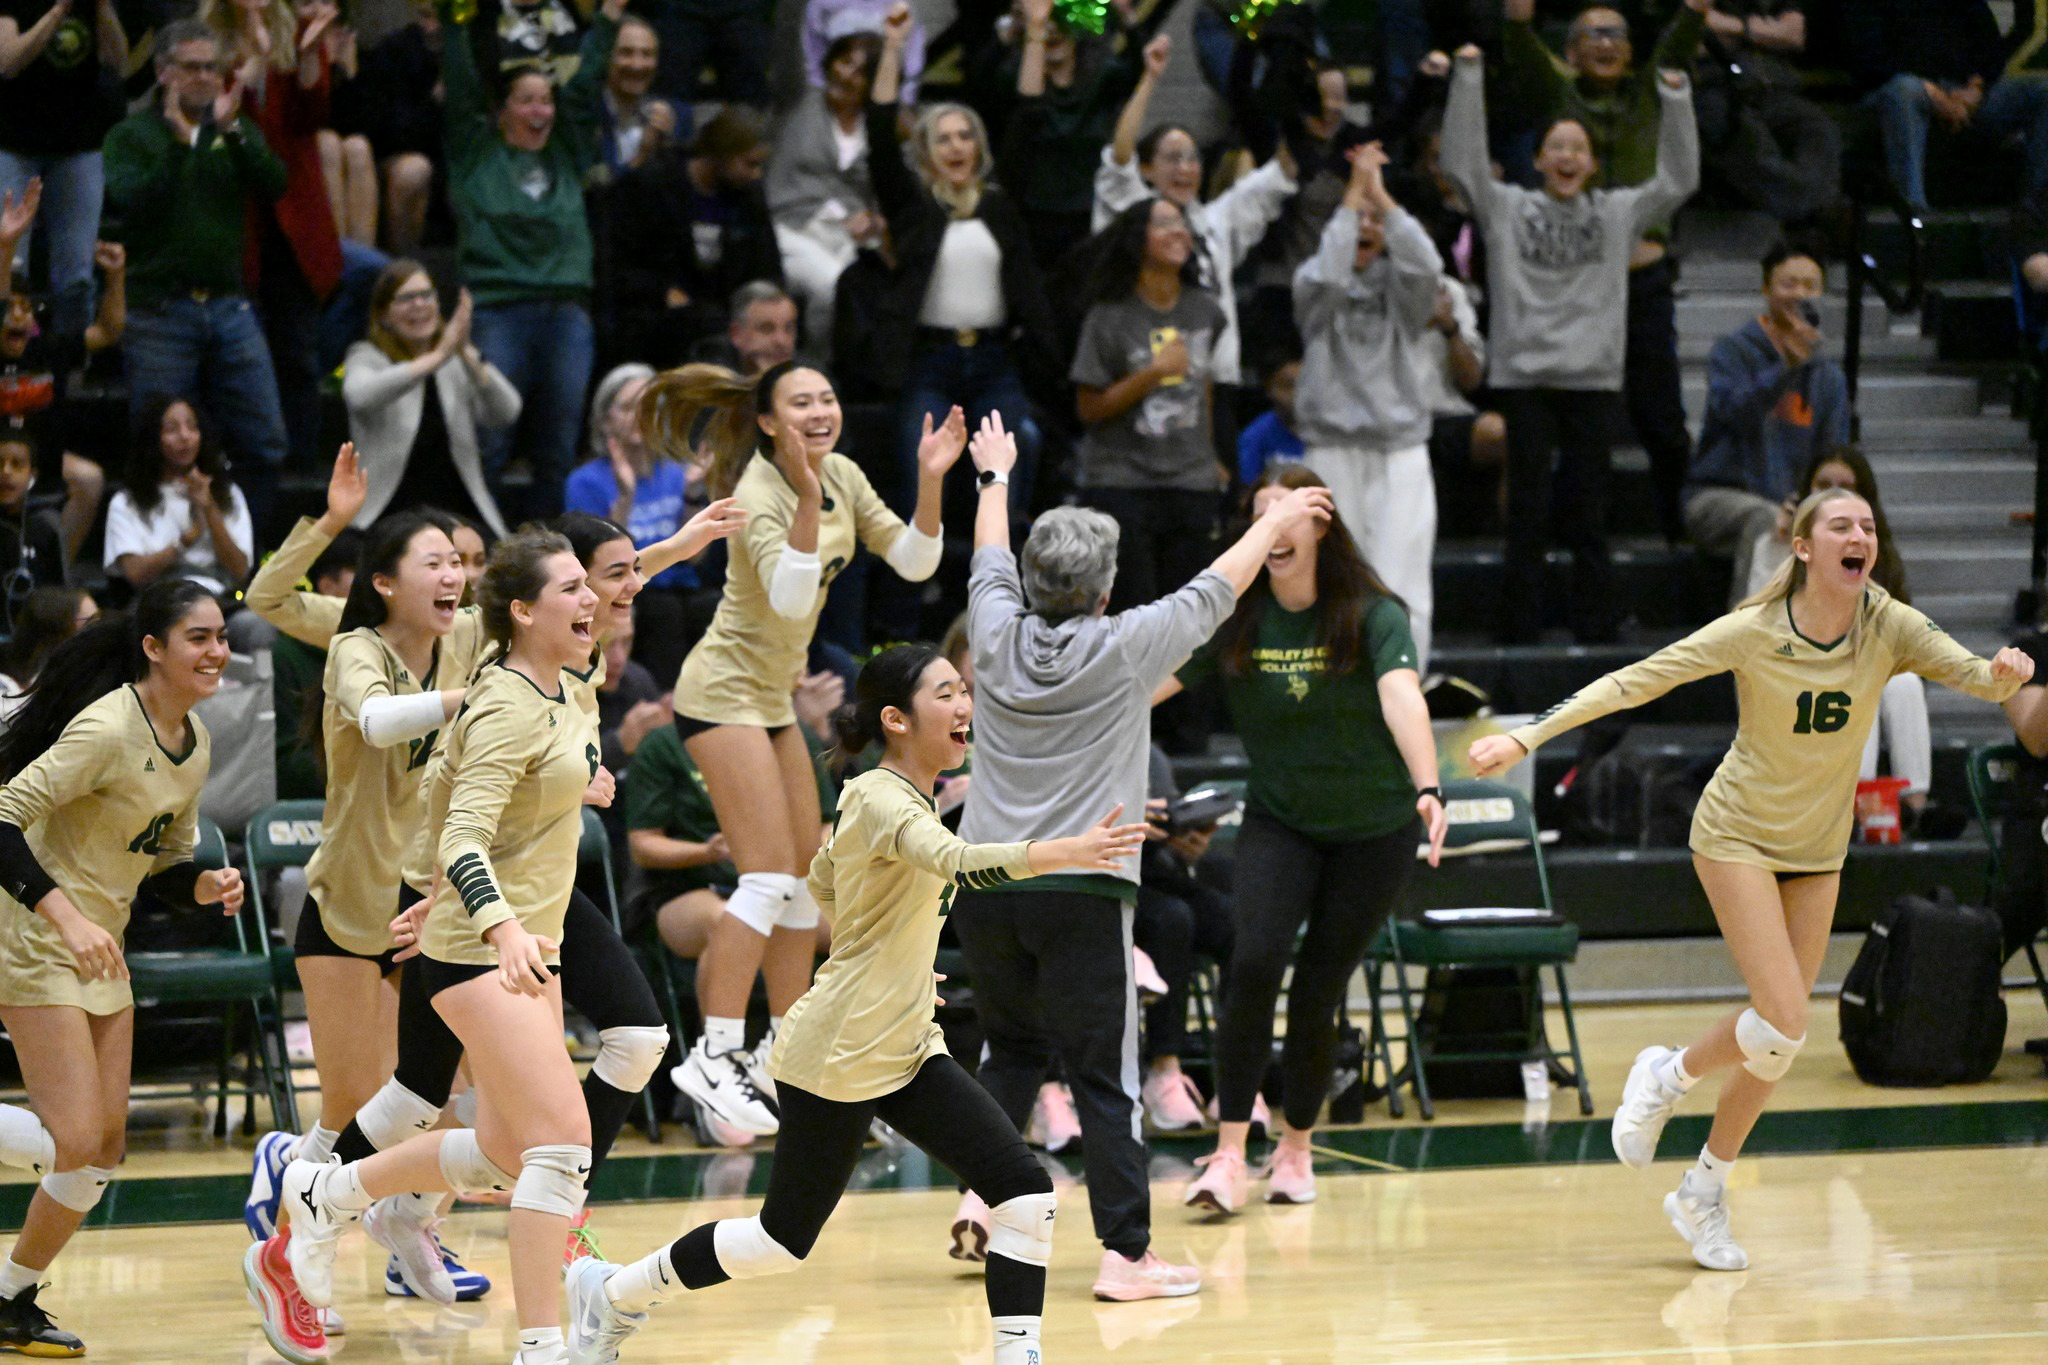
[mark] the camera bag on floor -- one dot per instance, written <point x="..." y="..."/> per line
<point x="1921" y="1006"/>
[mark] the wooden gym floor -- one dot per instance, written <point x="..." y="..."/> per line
<point x="1883" y="1227"/>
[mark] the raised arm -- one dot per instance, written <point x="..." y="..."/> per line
<point x="274" y="594"/>
<point x="582" y="93"/>
<point x="1678" y="154"/>
<point x="466" y="106"/>
<point x="1463" y="153"/>
<point x="1123" y="143"/>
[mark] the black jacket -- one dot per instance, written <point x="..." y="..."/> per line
<point x="917" y="226"/>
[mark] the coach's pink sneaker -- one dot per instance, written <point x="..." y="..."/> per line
<point x="1125" y="1281"/>
<point x="1222" y="1185"/>
<point x="1291" y="1178"/>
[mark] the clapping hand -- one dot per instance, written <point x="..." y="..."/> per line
<point x="18" y="215"/>
<point x="938" y="449"/>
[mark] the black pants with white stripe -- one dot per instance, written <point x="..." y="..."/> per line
<point x="1051" y="972"/>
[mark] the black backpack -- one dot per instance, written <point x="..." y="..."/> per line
<point x="1921" y="1006"/>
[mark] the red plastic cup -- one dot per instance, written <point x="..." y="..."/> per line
<point x="1877" y="809"/>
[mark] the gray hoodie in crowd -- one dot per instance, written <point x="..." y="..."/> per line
<point x="1363" y="337"/>
<point x="1063" y="710"/>
<point x="1558" y="269"/>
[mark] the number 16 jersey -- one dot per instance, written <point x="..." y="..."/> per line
<point x="1784" y="797"/>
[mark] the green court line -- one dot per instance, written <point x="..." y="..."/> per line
<point x="1416" y="1147"/>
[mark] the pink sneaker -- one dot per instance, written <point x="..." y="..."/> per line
<point x="1291" y="1176"/>
<point x="1262" y="1117"/>
<point x="1222" y="1185"/>
<point x="970" y="1229"/>
<point x="1172" y="1104"/>
<point x="1124" y="1281"/>
<point x="1151" y="985"/>
<point x="290" y="1323"/>
<point x="1054" y="1125"/>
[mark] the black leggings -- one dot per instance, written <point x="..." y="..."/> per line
<point x="1177" y="920"/>
<point x="599" y="978"/>
<point x="1344" y="890"/>
<point x="943" y="1110"/>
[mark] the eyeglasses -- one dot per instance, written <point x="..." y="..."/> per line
<point x="414" y="296"/>
<point x="1605" y="33"/>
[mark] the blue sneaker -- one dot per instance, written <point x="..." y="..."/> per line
<point x="470" y="1285"/>
<point x="266" y="1183"/>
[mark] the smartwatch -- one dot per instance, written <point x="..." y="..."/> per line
<point x="1437" y="792"/>
<point x="989" y="478"/>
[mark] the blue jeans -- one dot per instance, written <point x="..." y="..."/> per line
<point x="72" y="189"/>
<point x="347" y="315"/>
<point x="546" y="348"/>
<point x="982" y="379"/>
<point x="2016" y="106"/>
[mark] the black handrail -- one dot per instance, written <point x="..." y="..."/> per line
<point x="1864" y="270"/>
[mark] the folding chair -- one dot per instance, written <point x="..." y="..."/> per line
<point x="1991" y="772"/>
<point x="1484" y="817"/>
<point x="281" y="835"/>
<point x="594" y="849"/>
<point x="229" y="978"/>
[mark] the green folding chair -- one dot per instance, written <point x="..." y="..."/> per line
<point x="1484" y="817"/>
<point x="229" y="978"/>
<point x="594" y="850"/>
<point x="281" y="835"/>
<point x="1992" y="769"/>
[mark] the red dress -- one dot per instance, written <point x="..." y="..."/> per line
<point x="291" y="116"/>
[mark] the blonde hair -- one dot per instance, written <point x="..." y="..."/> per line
<point x="224" y="17"/>
<point x="1791" y="575"/>
<point x="676" y="399"/>
<point x="959" y="201"/>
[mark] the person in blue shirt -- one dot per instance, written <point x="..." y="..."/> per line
<point x="1270" y="436"/>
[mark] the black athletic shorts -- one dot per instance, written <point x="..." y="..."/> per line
<point x="436" y="976"/>
<point x="687" y="726"/>
<point x="311" y="940"/>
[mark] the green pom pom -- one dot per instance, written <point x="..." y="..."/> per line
<point x="1081" y="16"/>
<point x="1251" y="15"/>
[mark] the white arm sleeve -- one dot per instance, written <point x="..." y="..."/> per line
<point x="914" y="555"/>
<point x="793" y="588"/>
<point x="391" y="720"/>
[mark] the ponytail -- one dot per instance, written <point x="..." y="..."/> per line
<point x="91" y="664"/>
<point x="889" y="679"/>
<point x="728" y="404"/>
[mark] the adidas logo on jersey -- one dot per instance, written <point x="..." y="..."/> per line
<point x="1786" y="649"/>
<point x="149" y="765"/>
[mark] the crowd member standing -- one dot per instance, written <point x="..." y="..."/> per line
<point x="1364" y="303"/>
<point x="862" y="1044"/>
<point x="102" y="769"/>
<point x="180" y="175"/>
<point x="1811" y="654"/>
<point x="818" y="183"/>
<point x="1321" y="675"/>
<point x="516" y="184"/>
<point x="504" y="808"/>
<point x="808" y="510"/>
<point x="1055" y="677"/>
<point x="1558" y="267"/>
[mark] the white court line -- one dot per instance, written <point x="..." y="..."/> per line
<point x="1748" y="1348"/>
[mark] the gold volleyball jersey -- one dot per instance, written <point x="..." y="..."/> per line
<point x="505" y="808"/>
<point x="375" y="801"/>
<point x="104" y="807"/>
<point x="886" y="880"/>
<point x="743" y="670"/>
<point x="1784" y="796"/>
<point x="274" y="594"/>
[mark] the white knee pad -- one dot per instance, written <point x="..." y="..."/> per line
<point x="760" y="898"/>
<point x="745" y="1251"/>
<point x="551" y="1179"/>
<point x="24" y="1142"/>
<point x="78" y="1190"/>
<point x="463" y="1106"/>
<point x="1770" y="1052"/>
<point x="800" y="911"/>
<point x="1021" y="1228"/>
<point x="395" y="1114"/>
<point x="468" y="1170"/>
<point x="629" y="1055"/>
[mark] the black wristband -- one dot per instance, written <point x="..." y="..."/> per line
<point x="175" y="885"/>
<point x="1437" y="792"/>
<point x="20" y="874"/>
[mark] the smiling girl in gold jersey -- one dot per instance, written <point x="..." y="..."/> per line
<point x="1811" y="653"/>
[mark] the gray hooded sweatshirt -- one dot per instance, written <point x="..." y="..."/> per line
<point x="1363" y="337"/>
<point x="1558" y="269"/>
<point x="1063" y="710"/>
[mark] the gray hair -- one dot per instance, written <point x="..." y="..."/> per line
<point x="179" y="32"/>
<point x="608" y="390"/>
<point x="753" y="292"/>
<point x="1069" y="561"/>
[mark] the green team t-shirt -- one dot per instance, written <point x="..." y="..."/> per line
<point x="1322" y="759"/>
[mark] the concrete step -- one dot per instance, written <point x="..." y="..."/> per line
<point x="1970" y="567"/>
<point x="1881" y="395"/>
<point x="1914" y="522"/>
<point x="1911" y="479"/>
<point x="1993" y="430"/>
<point x="1717" y="314"/>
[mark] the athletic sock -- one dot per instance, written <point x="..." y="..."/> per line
<point x="317" y="1145"/>
<point x="24" y="1142"/>
<point x="539" y="1344"/>
<point x="724" y="1035"/>
<point x="1017" y="1340"/>
<point x="1709" y="1176"/>
<point x="647" y="1282"/>
<point x="15" y="1277"/>
<point x="1671" y="1071"/>
<point x="420" y="1207"/>
<point x="345" y="1190"/>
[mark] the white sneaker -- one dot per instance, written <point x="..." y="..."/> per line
<point x="556" y="1354"/>
<point x="721" y="1086"/>
<point x="1703" y="1223"/>
<point x="393" y="1225"/>
<point x="756" y="1064"/>
<point x="596" y="1329"/>
<point x="1646" y="1105"/>
<point x="316" y="1229"/>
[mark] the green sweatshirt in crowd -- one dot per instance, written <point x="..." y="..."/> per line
<point x="1622" y="123"/>
<point x="519" y="215"/>
<point x="181" y="205"/>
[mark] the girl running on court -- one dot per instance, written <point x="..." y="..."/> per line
<point x="504" y="805"/>
<point x="809" y="509"/>
<point x="1319" y="670"/>
<point x="102" y="769"/>
<point x="1811" y="653"/>
<point x="862" y="1044"/>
